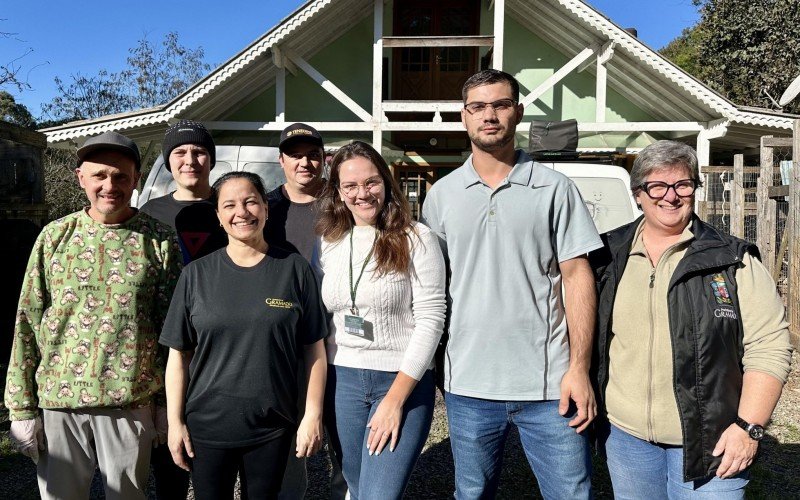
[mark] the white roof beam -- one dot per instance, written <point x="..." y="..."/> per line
<point x="329" y="87"/>
<point x="377" y="70"/>
<point x="559" y="75"/>
<point x="499" y="34"/>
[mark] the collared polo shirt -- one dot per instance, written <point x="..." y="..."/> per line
<point x="508" y="332"/>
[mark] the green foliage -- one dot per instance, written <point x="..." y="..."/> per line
<point x="684" y="50"/>
<point x="155" y="74"/>
<point x="748" y="47"/>
<point x="14" y="112"/>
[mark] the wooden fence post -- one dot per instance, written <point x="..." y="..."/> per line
<point x="737" y="197"/>
<point x="793" y="225"/>
<point x="766" y="225"/>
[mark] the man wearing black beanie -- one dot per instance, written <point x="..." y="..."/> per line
<point x="189" y="154"/>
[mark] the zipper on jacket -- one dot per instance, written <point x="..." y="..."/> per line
<point x="650" y="341"/>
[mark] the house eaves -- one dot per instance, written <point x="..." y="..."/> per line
<point x="225" y="72"/>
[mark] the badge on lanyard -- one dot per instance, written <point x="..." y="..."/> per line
<point x="354" y="324"/>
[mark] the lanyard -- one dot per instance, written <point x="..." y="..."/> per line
<point x="353" y="288"/>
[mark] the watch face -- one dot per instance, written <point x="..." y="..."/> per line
<point x="757" y="432"/>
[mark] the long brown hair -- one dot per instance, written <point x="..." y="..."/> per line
<point x="392" y="250"/>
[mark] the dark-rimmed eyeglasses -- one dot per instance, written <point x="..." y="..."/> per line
<point x="658" y="189"/>
<point x="499" y="106"/>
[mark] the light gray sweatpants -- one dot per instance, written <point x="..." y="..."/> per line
<point x="118" y="440"/>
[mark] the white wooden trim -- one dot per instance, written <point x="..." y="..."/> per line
<point x="389" y="126"/>
<point x="281" y="61"/>
<point x="716" y="129"/>
<point x="639" y="127"/>
<point x="377" y="72"/>
<point x="438" y="41"/>
<point x="329" y="86"/>
<point x="277" y="126"/>
<point x="280" y="95"/>
<point x="499" y="34"/>
<point x="559" y="75"/>
<point x="422" y="106"/>
<point x="601" y="86"/>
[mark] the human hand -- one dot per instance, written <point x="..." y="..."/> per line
<point x="309" y="435"/>
<point x="180" y="445"/>
<point x="575" y="385"/>
<point x="384" y="426"/>
<point x="161" y="425"/>
<point x="738" y="450"/>
<point x="28" y="437"/>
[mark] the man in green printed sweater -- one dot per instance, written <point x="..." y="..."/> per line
<point x="85" y="366"/>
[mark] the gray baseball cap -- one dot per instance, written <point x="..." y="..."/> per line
<point x="111" y="141"/>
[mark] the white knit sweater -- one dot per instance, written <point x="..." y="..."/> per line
<point x="405" y="311"/>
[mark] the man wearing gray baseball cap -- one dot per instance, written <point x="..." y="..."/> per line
<point x="85" y="373"/>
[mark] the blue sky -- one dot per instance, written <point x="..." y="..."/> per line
<point x="85" y="36"/>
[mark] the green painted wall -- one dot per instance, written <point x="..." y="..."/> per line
<point x="347" y="62"/>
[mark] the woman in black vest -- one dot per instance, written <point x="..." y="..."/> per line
<point x="688" y="373"/>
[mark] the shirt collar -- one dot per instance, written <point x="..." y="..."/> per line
<point x="638" y="248"/>
<point x="520" y="174"/>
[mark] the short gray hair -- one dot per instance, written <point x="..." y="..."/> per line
<point x="661" y="155"/>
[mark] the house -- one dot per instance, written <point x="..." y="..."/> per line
<point x="390" y="72"/>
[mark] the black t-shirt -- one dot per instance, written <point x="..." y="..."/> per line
<point x="196" y="223"/>
<point x="290" y="225"/>
<point x="247" y="327"/>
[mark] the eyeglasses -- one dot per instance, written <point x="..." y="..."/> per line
<point x="499" y="106"/>
<point x="350" y="189"/>
<point x="658" y="189"/>
<point x="313" y="156"/>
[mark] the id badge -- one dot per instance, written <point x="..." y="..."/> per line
<point x="354" y="325"/>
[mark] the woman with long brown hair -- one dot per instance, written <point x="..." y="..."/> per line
<point x="384" y="279"/>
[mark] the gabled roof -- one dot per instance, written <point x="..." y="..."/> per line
<point x="637" y="72"/>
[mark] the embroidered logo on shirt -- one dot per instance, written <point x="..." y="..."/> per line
<point x="280" y="303"/>
<point x="720" y="289"/>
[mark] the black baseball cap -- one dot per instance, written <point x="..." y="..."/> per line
<point x="300" y="132"/>
<point x="113" y="141"/>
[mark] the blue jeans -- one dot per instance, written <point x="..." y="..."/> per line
<point x="640" y="469"/>
<point x="557" y="454"/>
<point x="352" y="396"/>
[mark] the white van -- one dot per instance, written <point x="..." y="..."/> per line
<point x="604" y="187"/>
<point x="605" y="190"/>
<point x="256" y="159"/>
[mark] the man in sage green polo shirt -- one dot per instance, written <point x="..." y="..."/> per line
<point x="516" y="235"/>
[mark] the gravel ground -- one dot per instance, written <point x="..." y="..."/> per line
<point x="774" y="476"/>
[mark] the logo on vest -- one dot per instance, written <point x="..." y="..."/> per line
<point x="720" y="289"/>
<point x="725" y="313"/>
<point x="279" y="303"/>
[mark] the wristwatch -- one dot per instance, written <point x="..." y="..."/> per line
<point x="755" y="431"/>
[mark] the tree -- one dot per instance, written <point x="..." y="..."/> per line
<point x="9" y="70"/>
<point x="684" y="50"/>
<point x="14" y="112"/>
<point x="154" y="75"/>
<point x="744" y="50"/>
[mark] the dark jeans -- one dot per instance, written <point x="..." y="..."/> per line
<point x="172" y="482"/>
<point x="260" y="467"/>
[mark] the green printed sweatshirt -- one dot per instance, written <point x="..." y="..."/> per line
<point x="90" y="312"/>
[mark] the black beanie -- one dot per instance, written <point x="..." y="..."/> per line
<point x="188" y="132"/>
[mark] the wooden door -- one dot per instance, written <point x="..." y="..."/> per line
<point x="423" y="73"/>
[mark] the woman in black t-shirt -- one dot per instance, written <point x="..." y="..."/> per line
<point x="242" y="321"/>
